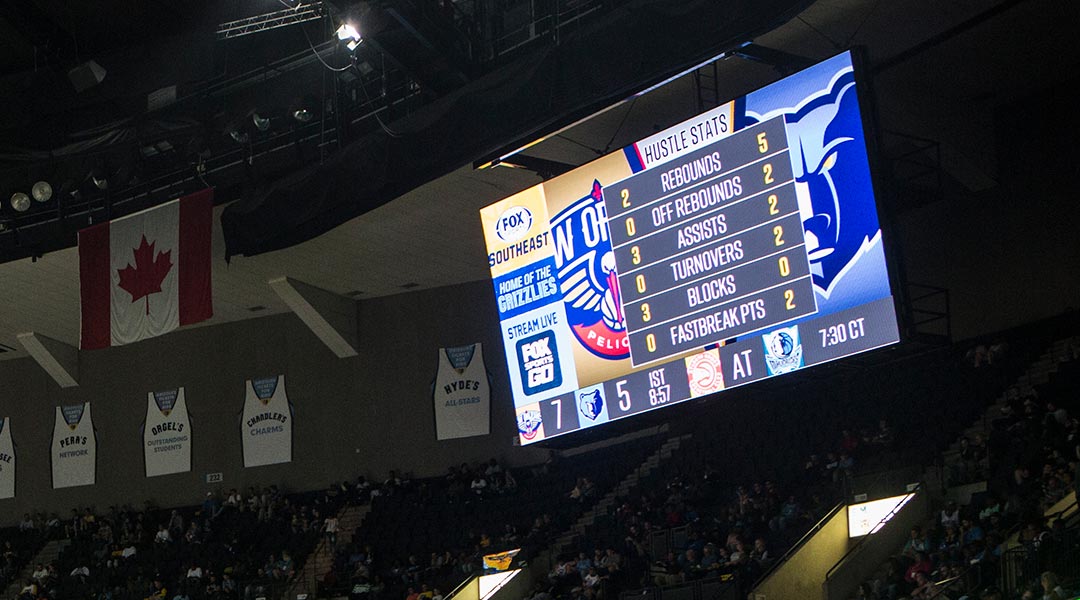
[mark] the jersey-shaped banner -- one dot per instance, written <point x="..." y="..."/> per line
<point x="166" y="434"/>
<point x="7" y="460"/>
<point x="266" y="425"/>
<point x="74" y="447"/>
<point x="462" y="394"/>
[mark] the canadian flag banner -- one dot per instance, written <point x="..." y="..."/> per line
<point x="146" y="274"/>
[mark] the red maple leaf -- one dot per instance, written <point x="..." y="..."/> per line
<point x="146" y="276"/>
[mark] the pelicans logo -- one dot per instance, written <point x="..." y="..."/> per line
<point x="529" y="422"/>
<point x="587" y="277"/>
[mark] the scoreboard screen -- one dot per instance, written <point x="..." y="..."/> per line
<point x="738" y="245"/>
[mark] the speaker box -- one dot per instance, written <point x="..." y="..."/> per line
<point x="86" y="75"/>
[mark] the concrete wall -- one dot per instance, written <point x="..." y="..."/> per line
<point x="875" y="550"/>
<point x="362" y="415"/>
<point x="801" y="576"/>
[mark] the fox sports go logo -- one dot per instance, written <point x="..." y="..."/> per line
<point x="587" y="277"/>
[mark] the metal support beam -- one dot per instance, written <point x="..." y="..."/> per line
<point x="59" y="360"/>
<point x="301" y="13"/>
<point x="332" y="318"/>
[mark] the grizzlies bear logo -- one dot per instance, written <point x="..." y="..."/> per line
<point x="591" y="404"/>
<point x="832" y="176"/>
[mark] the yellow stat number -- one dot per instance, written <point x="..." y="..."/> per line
<point x="625" y="194"/>
<point x="762" y="143"/>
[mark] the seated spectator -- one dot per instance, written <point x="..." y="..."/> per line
<point x="916" y="543"/>
<point x="922" y="564"/>
<point x="760" y="553"/>
<point x="950" y="515"/>
<point x="583" y="564"/>
<point x="925" y="588"/>
<point x="1051" y="590"/>
<point x="591" y="579"/>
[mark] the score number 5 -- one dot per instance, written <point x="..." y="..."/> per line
<point x="624" y="395"/>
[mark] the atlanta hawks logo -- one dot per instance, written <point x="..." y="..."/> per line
<point x="587" y="276"/>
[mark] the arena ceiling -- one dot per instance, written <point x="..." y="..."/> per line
<point x="941" y="69"/>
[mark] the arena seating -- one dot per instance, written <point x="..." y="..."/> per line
<point x="432" y="532"/>
<point x="249" y="549"/>
<point x="727" y="486"/>
<point x="1025" y="524"/>
<point x="17" y="548"/>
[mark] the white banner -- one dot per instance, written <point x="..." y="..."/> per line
<point x="266" y="423"/>
<point x="462" y="395"/>
<point x="167" y="433"/>
<point x="7" y="460"/>
<point x="74" y="447"/>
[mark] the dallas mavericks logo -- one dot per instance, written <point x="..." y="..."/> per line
<point x="590" y="404"/>
<point x="783" y="352"/>
<point x="529" y="423"/>
<point x="587" y="276"/>
<point x="832" y="174"/>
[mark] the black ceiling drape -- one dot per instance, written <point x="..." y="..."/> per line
<point x="634" y="46"/>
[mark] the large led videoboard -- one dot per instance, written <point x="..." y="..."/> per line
<point x="737" y="245"/>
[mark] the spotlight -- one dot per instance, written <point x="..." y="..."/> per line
<point x="261" y="123"/>
<point x="303" y="115"/>
<point x="101" y="182"/>
<point x="42" y="191"/>
<point x="20" y="201"/>
<point x="240" y="137"/>
<point x="349" y="32"/>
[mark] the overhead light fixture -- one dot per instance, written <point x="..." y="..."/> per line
<point x="303" y="115"/>
<point x="20" y="202"/>
<point x="348" y="33"/>
<point x="240" y="137"/>
<point x="100" y="182"/>
<point x="261" y="123"/>
<point x="42" y="191"/>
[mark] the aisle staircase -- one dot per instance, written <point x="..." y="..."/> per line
<point x="49" y="553"/>
<point x="564" y="541"/>
<point x="319" y="563"/>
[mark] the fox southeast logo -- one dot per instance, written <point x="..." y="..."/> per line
<point x="591" y="404"/>
<point x="513" y="224"/>
<point x="539" y="364"/>
<point x="587" y="278"/>
<point x="783" y="352"/>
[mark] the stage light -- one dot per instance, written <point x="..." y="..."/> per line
<point x="42" y="191"/>
<point x="101" y="182"/>
<point x="348" y="32"/>
<point x="303" y="115"/>
<point x="20" y="201"/>
<point x="261" y="123"/>
<point x="240" y="137"/>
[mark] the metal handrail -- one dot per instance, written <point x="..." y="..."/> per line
<point x="858" y="545"/>
<point x="797" y="545"/>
